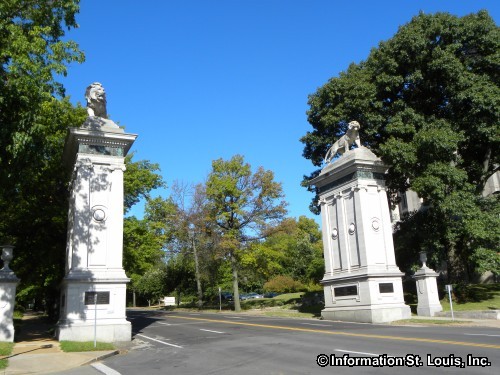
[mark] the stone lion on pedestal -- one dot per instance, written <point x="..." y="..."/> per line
<point x="96" y="100"/>
<point x="344" y="143"/>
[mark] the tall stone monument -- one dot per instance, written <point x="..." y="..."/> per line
<point x="93" y="290"/>
<point x="8" y="284"/>
<point x="362" y="282"/>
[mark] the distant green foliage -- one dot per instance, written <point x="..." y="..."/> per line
<point x="139" y="179"/>
<point x="293" y="248"/>
<point x="283" y="284"/>
<point x="152" y="284"/>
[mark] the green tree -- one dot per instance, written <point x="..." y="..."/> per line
<point x="180" y="276"/>
<point x="33" y="205"/>
<point x="184" y="222"/>
<point x="294" y="249"/>
<point x="31" y="53"/>
<point x="244" y="205"/>
<point x="142" y="250"/>
<point x="140" y="178"/>
<point x="428" y="103"/>
<point x="32" y="129"/>
<point x="283" y="284"/>
<point x="152" y="285"/>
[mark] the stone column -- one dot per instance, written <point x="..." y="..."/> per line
<point x="8" y="284"/>
<point x="362" y="282"/>
<point x="427" y="292"/>
<point x="95" y="155"/>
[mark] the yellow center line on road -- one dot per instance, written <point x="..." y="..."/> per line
<point x="340" y="333"/>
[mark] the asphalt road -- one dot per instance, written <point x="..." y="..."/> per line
<point x="225" y="343"/>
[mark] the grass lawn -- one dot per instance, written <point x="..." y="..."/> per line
<point x="288" y="296"/>
<point x="86" y="346"/>
<point x="5" y="350"/>
<point x="478" y="297"/>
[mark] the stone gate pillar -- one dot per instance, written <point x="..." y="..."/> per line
<point x="427" y="291"/>
<point x="94" y="288"/>
<point x="8" y="284"/>
<point x="362" y="282"/>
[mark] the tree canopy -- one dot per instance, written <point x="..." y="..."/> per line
<point x="428" y="103"/>
<point x="33" y="124"/>
<point x="294" y="249"/>
<point x="31" y="54"/>
<point x="244" y="205"/>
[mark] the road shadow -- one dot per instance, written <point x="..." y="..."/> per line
<point x="141" y="319"/>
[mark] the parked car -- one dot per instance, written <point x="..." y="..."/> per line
<point x="243" y="296"/>
<point x="226" y="296"/>
<point x="253" y="295"/>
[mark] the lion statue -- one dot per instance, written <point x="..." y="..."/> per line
<point x="344" y="143"/>
<point x="96" y="100"/>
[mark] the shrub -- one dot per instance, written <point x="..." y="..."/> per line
<point x="283" y="284"/>
<point x="463" y="292"/>
<point x="314" y="287"/>
<point x="259" y="303"/>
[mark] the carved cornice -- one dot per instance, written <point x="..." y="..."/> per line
<point x="78" y="137"/>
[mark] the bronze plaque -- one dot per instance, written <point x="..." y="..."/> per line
<point x="386" y="288"/>
<point x="102" y="298"/>
<point x="344" y="291"/>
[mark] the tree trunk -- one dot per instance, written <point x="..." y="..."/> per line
<point x="133" y="298"/>
<point x="197" y="275"/>
<point x="236" y="293"/>
<point x="486" y="166"/>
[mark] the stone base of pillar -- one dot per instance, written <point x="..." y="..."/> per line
<point x="112" y="330"/>
<point x="79" y="312"/>
<point x="365" y="298"/>
<point x="430" y="310"/>
<point x="367" y="314"/>
<point x="7" y="331"/>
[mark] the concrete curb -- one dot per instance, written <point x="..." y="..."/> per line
<point x="101" y="357"/>
<point x="473" y="314"/>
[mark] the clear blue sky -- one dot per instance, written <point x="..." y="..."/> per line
<point x="208" y="79"/>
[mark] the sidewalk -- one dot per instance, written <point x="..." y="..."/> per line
<point x="37" y="352"/>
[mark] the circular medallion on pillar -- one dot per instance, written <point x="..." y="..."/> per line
<point x="352" y="228"/>
<point x="99" y="213"/>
